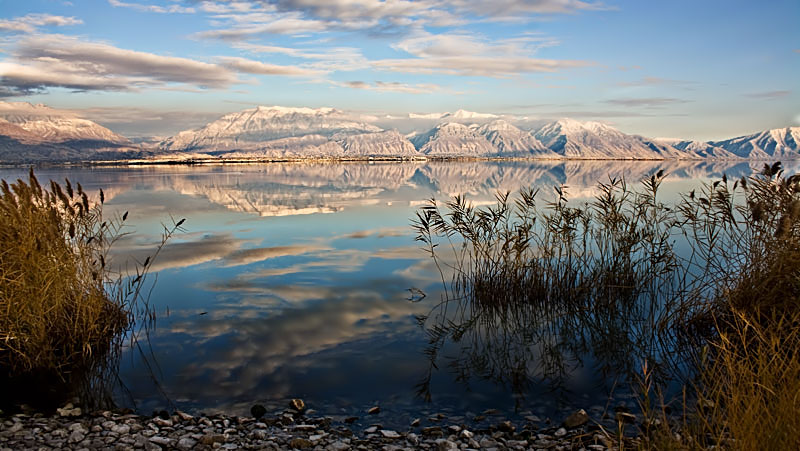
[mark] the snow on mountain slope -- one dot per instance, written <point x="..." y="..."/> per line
<point x="251" y="128"/>
<point x="509" y="140"/>
<point x="702" y="149"/>
<point x="56" y="126"/>
<point x="594" y="140"/>
<point x="452" y="139"/>
<point x="15" y="132"/>
<point x="40" y="133"/>
<point x="387" y="143"/>
<point x="307" y="146"/>
<point x="769" y="144"/>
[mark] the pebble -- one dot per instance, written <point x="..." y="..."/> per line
<point x="184" y="431"/>
<point x="577" y="418"/>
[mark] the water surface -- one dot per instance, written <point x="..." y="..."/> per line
<point x="292" y="280"/>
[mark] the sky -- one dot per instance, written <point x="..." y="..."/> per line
<point x="709" y="69"/>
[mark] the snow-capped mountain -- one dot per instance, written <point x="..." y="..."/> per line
<point x="510" y="141"/>
<point x="251" y="128"/>
<point x="452" y="139"/>
<point x="40" y="133"/>
<point x="700" y="149"/>
<point x="594" y="140"/>
<point x="385" y="143"/>
<point x="775" y="143"/>
<point x="37" y="133"/>
<point x="56" y="126"/>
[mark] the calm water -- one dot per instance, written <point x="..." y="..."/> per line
<point x="292" y="280"/>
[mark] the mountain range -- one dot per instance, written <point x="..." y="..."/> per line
<point x="37" y="133"/>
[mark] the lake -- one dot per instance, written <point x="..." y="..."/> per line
<point x="298" y="280"/>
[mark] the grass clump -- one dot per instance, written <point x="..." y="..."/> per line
<point x="705" y="290"/>
<point x="63" y="312"/>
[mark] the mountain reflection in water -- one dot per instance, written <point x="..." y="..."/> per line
<point x="293" y="281"/>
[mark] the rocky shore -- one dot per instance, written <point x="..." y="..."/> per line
<point x="293" y="428"/>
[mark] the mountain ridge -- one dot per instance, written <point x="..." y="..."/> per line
<point x="40" y="133"/>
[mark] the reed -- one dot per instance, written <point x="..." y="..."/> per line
<point x="63" y="312"/>
<point x="705" y="290"/>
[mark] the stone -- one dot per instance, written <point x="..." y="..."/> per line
<point x="121" y="429"/>
<point x="338" y="446"/>
<point x="163" y="422"/>
<point x="467" y="434"/>
<point x="258" y="411"/>
<point x="78" y="427"/>
<point x="415" y="423"/>
<point x="350" y="420"/>
<point x="76" y="436"/>
<point x="186" y="443"/>
<point x="560" y="432"/>
<point x="432" y="431"/>
<point x="487" y="442"/>
<point x="69" y="411"/>
<point x="371" y="430"/>
<point x="159" y="440"/>
<point x="297" y="404"/>
<point x="259" y="434"/>
<point x="389" y="434"/>
<point x="505" y="426"/>
<point x="211" y="439"/>
<point x="445" y="445"/>
<point x="183" y="415"/>
<point x="300" y="443"/>
<point x="577" y="418"/>
<point x="374" y="410"/>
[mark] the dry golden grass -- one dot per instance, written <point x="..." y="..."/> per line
<point x="750" y="396"/>
<point x="63" y="313"/>
<point x="54" y="311"/>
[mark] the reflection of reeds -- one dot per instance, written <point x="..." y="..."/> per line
<point x="565" y="278"/>
<point x="628" y="279"/>
<point x="63" y="313"/>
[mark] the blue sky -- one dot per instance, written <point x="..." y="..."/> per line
<point x="692" y="69"/>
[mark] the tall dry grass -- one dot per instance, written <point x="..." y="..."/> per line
<point x="706" y="291"/>
<point x="63" y="312"/>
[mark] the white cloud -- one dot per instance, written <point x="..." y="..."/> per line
<point x="513" y="9"/>
<point x="257" y="67"/>
<point x="29" y="23"/>
<point x="242" y="20"/>
<point x="242" y="27"/>
<point x="423" y="88"/>
<point x="326" y="60"/>
<point x="42" y="61"/>
<point x="153" y="8"/>
<point x="462" y="54"/>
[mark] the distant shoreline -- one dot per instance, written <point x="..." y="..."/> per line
<point x="338" y="160"/>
